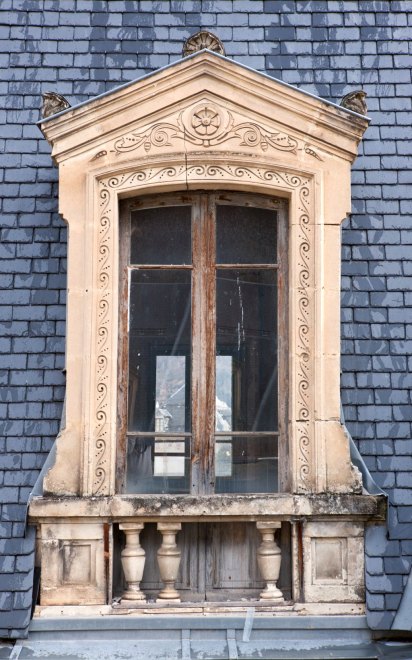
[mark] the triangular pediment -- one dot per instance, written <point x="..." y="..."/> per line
<point x="171" y="106"/>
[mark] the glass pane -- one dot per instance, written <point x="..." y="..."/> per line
<point x="159" y="350"/>
<point x="246" y="337"/>
<point x="158" y="465"/>
<point x="246" y="464"/>
<point x="245" y="235"/>
<point x="161" y="236"/>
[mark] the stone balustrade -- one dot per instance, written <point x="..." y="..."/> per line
<point x="168" y="557"/>
<point x="75" y="537"/>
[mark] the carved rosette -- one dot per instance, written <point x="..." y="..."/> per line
<point x="206" y="124"/>
<point x="145" y="177"/>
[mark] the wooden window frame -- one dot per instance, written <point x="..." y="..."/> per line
<point x="203" y="336"/>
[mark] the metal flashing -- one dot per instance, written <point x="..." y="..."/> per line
<point x="195" y="637"/>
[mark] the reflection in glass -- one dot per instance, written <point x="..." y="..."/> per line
<point x="158" y="465"/>
<point x="245" y="235"/>
<point x="170" y="414"/>
<point x="246" y="348"/>
<point x="159" y="351"/>
<point x="246" y="464"/>
<point x="223" y="457"/>
<point x="161" y="236"/>
<point x="224" y="384"/>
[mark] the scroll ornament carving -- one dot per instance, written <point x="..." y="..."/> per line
<point x="355" y="101"/>
<point x="208" y="125"/>
<point x="303" y="345"/>
<point x="215" y="172"/>
<point x="103" y="342"/>
<point x="235" y="172"/>
<point x="52" y="104"/>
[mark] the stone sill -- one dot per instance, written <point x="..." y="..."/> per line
<point x="186" y="508"/>
<point x="292" y="616"/>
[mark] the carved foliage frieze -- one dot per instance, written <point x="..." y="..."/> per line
<point x="105" y="392"/>
<point x="208" y="124"/>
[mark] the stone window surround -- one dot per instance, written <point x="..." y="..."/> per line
<point x="107" y="152"/>
<point x="313" y="318"/>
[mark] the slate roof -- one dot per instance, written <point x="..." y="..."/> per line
<point x="80" y="48"/>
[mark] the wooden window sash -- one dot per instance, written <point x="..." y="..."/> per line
<point x="203" y="356"/>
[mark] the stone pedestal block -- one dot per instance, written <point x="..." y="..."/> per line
<point x="333" y="556"/>
<point x="72" y="564"/>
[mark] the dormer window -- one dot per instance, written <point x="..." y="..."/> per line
<point x="204" y="205"/>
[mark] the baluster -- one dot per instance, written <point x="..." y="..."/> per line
<point x="168" y="557"/>
<point x="133" y="559"/>
<point x="269" y="558"/>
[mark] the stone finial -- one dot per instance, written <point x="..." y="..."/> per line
<point x="355" y="101"/>
<point x="202" y="40"/>
<point x="53" y="103"/>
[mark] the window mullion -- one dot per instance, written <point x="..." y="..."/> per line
<point x="203" y="351"/>
<point x="196" y="341"/>
<point x="209" y="342"/>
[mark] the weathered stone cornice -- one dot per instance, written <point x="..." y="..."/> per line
<point x="214" y="507"/>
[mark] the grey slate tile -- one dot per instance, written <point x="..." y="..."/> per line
<point x="384" y="583"/>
